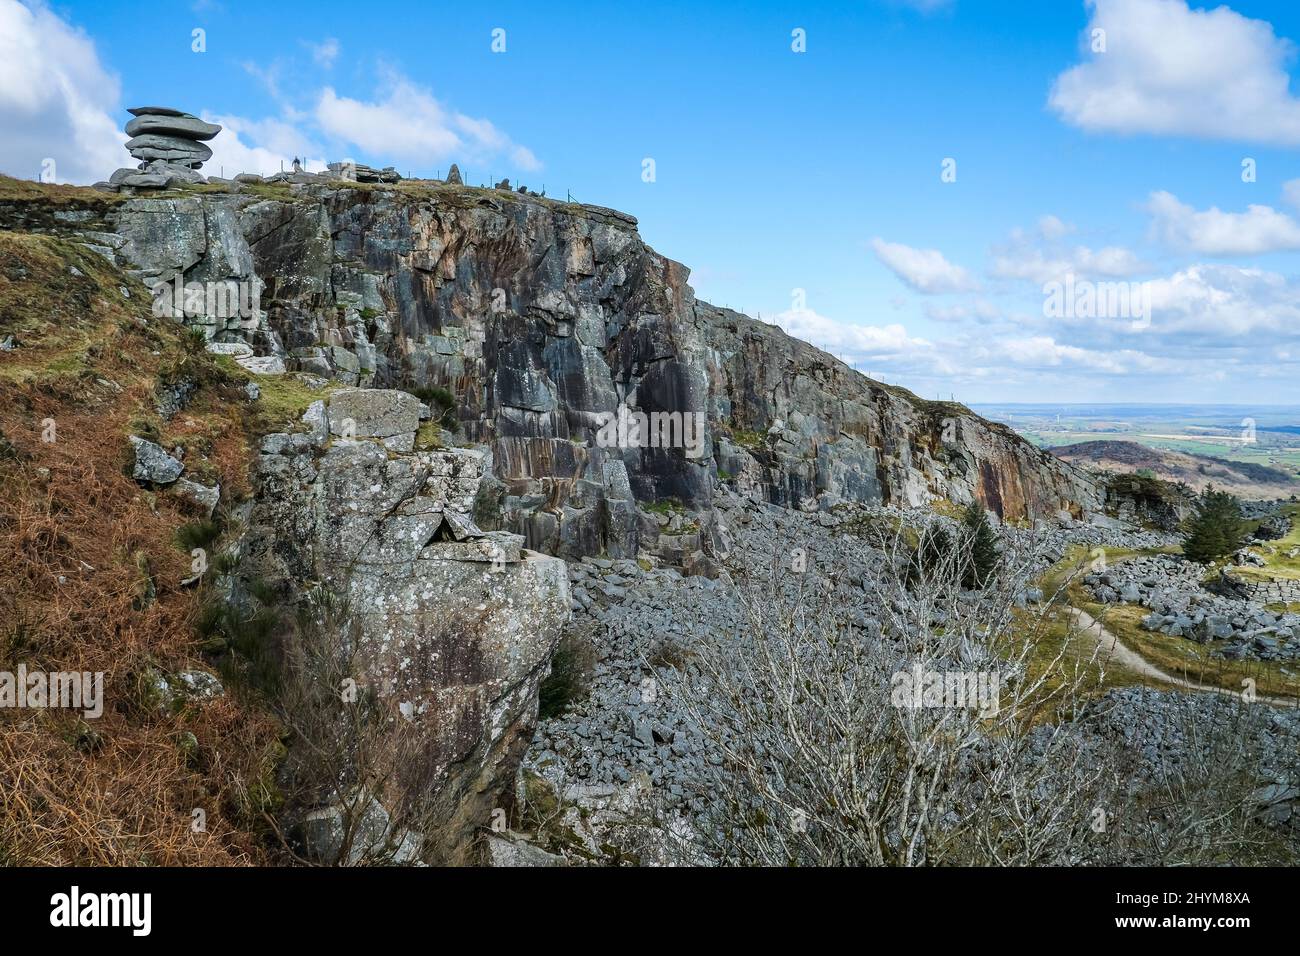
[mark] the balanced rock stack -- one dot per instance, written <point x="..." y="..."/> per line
<point x="170" y="146"/>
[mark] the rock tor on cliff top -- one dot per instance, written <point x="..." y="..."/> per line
<point x="169" y="145"/>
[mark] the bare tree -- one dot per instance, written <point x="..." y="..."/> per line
<point x="883" y="715"/>
<point x="1199" y="805"/>
<point x="896" y="721"/>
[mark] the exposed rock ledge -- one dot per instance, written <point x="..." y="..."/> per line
<point x="537" y="317"/>
<point x="454" y="626"/>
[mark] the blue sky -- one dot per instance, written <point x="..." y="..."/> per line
<point x="778" y="170"/>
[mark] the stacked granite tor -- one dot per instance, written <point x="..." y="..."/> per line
<point x="170" y="146"/>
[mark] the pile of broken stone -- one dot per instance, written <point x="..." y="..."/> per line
<point x="1171" y="588"/>
<point x="170" y="145"/>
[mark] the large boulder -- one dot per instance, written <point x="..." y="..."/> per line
<point x="173" y="149"/>
<point x="181" y="125"/>
<point x="375" y="413"/>
<point x="153" y="464"/>
<point x="454" y="626"/>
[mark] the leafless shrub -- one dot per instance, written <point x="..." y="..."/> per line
<point x="823" y="753"/>
<point x="826" y="757"/>
<point x="349" y="746"/>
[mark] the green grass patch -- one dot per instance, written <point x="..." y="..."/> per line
<point x="283" y="398"/>
<point x="1185" y="658"/>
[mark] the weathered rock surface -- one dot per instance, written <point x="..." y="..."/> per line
<point x="153" y="464"/>
<point x="172" y="123"/>
<point x="168" y="144"/>
<point x="1236" y="627"/>
<point x="205" y="498"/>
<point x="541" y="320"/>
<point x="456" y="644"/>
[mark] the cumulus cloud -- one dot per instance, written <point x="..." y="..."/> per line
<point x="977" y="310"/>
<point x="260" y="146"/>
<point x="861" y="342"/>
<point x="408" y="123"/>
<point x="925" y="270"/>
<point x="324" y="53"/>
<point x="1213" y="232"/>
<point x="1038" y="266"/>
<point x="1210" y="304"/>
<point x="1171" y="70"/>
<point x="1038" y="256"/>
<point x="1291" y="192"/>
<point x="890" y="351"/>
<point x="57" y="101"/>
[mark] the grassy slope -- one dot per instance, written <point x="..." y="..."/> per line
<point x="1278" y="564"/>
<point x="90" y="572"/>
<point x="1178" y="656"/>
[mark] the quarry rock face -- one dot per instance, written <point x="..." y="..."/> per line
<point x="544" y="322"/>
<point x="453" y="626"/>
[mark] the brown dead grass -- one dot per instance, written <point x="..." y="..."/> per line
<point x="81" y="546"/>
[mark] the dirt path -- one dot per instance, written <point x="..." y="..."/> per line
<point x="1113" y="649"/>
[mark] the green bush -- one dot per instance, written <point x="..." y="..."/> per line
<point x="1216" y="528"/>
<point x="197" y="534"/>
<point x="979" y="547"/>
<point x="570" y="677"/>
<point x="934" y="547"/>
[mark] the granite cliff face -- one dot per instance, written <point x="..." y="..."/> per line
<point x="453" y="628"/>
<point x="540" y="319"/>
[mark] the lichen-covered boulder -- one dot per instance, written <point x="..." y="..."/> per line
<point x="375" y="413"/>
<point x="153" y="464"/>
<point x="452" y="626"/>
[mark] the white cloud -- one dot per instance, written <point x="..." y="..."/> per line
<point x="1291" y="192"/>
<point x="1209" y="304"/>
<point x="1052" y="228"/>
<point x="1037" y="266"/>
<point x="1213" y="232"/>
<point x="1171" y="70"/>
<point x="928" y="6"/>
<point x="410" y="124"/>
<point x="1039" y="257"/>
<point x="889" y="350"/>
<point x="978" y="310"/>
<point x="278" y="144"/>
<point x="56" y="100"/>
<point x="925" y="270"/>
<point x="324" y="53"/>
<point x="860" y="342"/>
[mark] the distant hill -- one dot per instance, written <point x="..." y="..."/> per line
<point x="1241" y="478"/>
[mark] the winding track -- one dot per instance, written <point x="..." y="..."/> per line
<point x="1113" y="649"/>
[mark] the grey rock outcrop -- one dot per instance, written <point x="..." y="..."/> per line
<point x="170" y="149"/>
<point x="205" y="498"/>
<point x="171" y="123"/>
<point x="454" y="626"/>
<point x="539" y="322"/>
<point x="361" y="173"/>
<point x="169" y="145"/>
<point x="389" y="415"/>
<point x="153" y="464"/>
